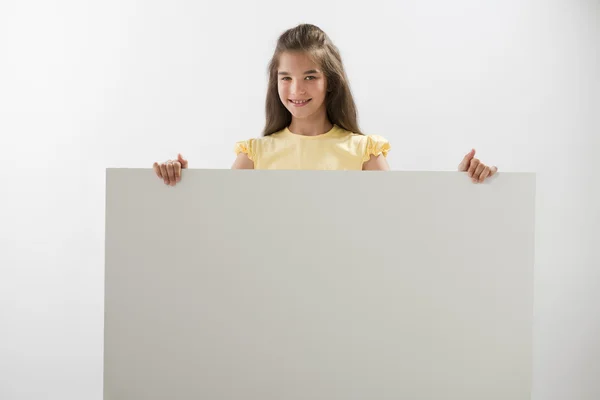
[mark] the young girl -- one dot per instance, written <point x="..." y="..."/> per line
<point x="311" y="118"/>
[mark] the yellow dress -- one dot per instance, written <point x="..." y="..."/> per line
<point x="337" y="149"/>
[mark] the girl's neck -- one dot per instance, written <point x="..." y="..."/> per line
<point x="310" y="127"/>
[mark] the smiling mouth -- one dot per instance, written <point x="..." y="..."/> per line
<point x="299" y="102"/>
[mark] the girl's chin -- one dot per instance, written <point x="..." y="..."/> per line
<point x="300" y="111"/>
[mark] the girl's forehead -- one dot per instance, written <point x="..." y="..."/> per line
<point x="296" y="61"/>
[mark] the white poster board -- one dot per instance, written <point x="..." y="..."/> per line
<point x="309" y="285"/>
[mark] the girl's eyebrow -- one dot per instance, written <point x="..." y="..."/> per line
<point x="310" y="71"/>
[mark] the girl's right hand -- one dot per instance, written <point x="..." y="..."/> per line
<point x="170" y="170"/>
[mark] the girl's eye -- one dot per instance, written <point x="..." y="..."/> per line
<point x="310" y="78"/>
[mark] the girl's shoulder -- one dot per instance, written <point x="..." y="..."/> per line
<point x="376" y="145"/>
<point x="252" y="146"/>
<point x="367" y="144"/>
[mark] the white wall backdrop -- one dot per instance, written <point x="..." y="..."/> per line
<point x="90" y="85"/>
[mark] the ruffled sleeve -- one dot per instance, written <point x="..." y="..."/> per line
<point x="375" y="145"/>
<point x="247" y="147"/>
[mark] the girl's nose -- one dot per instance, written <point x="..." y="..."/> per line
<point x="297" y="88"/>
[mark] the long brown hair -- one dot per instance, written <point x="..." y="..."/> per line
<point x="339" y="102"/>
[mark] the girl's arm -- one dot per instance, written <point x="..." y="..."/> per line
<point x="242" y="162"/>
<point x="376" y="163"/>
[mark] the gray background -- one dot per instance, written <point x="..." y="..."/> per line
<point x="272" y="285"/>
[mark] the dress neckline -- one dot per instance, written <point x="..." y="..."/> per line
<point x="287" y="132"/>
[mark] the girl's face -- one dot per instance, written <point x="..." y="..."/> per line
<point x="301" y="84"/>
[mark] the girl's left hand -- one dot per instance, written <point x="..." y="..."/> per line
<point x="477" y="170"/>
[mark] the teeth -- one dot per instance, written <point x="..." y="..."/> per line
<point x="298" y="101"/>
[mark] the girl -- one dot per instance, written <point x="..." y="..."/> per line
<point x="311" y="118"/>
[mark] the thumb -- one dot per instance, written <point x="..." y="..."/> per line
<point x="464" y="164"/>
<point x="183" y="162"/>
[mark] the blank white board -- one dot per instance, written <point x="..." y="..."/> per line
<point x="289" y="285"/>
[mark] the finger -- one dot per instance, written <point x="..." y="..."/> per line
<point x="165" y="175"/>
<point x="157" y="170"/>
<point x="484" y="174"/>
<point x="493" y="170"/>
<point x="473" y="166"/>
<point x="184" y="163"/>
<point x="464" y="164"/>
<point x="177" y="167"/>
<point x="478" y="171"/>
<point x="171" y="172"/>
